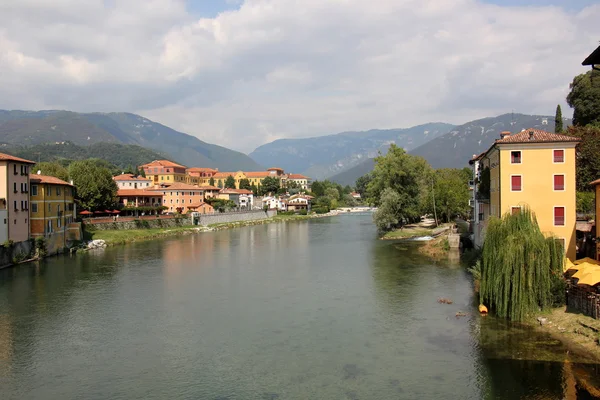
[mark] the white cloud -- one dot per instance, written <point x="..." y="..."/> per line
<point x="288" y="68"/>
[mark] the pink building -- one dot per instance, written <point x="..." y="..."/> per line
<point x="14" y="198"/>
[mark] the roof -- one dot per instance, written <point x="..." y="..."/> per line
<point x="130" y="177"/>
<point x="258" y="174"/>
<point x="163" y="163"/>
<point x="596" y="182"/>
<point x="198" y="169"/>
<point x="297" y="176"/>
<point x="35" y="178"/>
<point x="275" y="169"/>
<point x="236" y="191"/>
<point x="208" y="187"/>
<point x="532" y="135"/>
<point x="177" y="186"/>
<point x="476" y="158"/>
<point x="137" y="192"/>
<point x="196" y="205"/>
<point x="593" y="58"/>
<point x="8" y="157"/>
<point x="224" y="174"/>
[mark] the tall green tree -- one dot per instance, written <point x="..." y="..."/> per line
<point x="270" y="184"/>
<point x="558" y="120"/>
<point x="245" y="184"/>
<point x="389" y="214"/>
<point x="362" y="183"/>
<point x="254" y="189"/>
<point x="521" y="269"/>
<point x="52" y="169"/>
<point x="587" y="160"/>
<point x="220" y="184"/>
<point x="230" y="182"/>
<point x="211" y="181"/>
<point x="95" y="187"/>
<point x="451" y="191"/>
<point x="584" y="98"/>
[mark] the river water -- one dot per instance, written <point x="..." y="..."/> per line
<point x="319" y="309"/>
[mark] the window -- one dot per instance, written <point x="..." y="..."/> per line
<point x="15" y="187"/>
<point x="515" y="183"/>
<point x="49" y="226"/>
<point x="129" y="183"/>
<point x="49" y="207"/>
<point x="33" y="207"/>
<point x="559" y="216"/>
<point x="34" y="190"/>
<point x="190" y="201"/>
<point x="48" y="190"/>
<point x="16" y="207"/>
<point x="559" y="182"/>
<point x="559" y="156"/>
<point x="58" y="191"/>
<point x="515" y="157"/>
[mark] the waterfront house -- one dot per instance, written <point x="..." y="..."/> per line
<point x="132" y="182"/>
<point x="299" y="202"/>
<point x="165" y="172"/>
<point x="300" y="181"/>
<point x="52" y="210"/>
<point x="531" y="168"/>
<point x="177" y="197"/>
<point x="14" y="198"/>
<point x="210" y="191"/>
<point x="202" y="208"/>
<point x="242" y="198"/>
<point x="132" y="199"/>
<point x="272" y="203"/>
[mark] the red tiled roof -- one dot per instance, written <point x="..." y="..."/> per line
<point x="198" y="169"/>
<point x="47" y="179"/>
<point x="8" y="157"/>
<point x="223" y="175"/>
<point x="137" y="192"/>
<point x="258" y="174"/>
<point x="130" y="177"/>
<point x="177" y="186"/>
<point x="208" y="187"/>
<point x="536" y="136"/>
<point x="236" y="191"/>
<point x="163" y="163"/>
<point x="275" y="169"/>
<point x="297" y="176"/>
<point x="196" y="205"/>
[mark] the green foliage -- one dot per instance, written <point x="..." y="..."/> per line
<point x="484" y="183"/>
<point x="270" y="184"/>
<point x="245" y="184"/>
<point x="558" y="120"/>
<point x="588" y="151"/>
<point x="362" y="183"/>
<point x="220" y="205"/>
<point x="320" y="210"/>
<point x="96" y="190"/>
<point x="303" y="212"/>
<point x="584" y="98"/>
<point x="451" y="188"/>
<point x="254" y="189"/>
<point x="404" y="174"/>
<point x="211" y="181"/>
<point x="220" y="184"/>
<point x="40" y="246"/>
<point x="389" y="214"/>
<point x="19" y="257"/>
<point x="52" y="169"/>
<point x="586" y="202"/>
<point x="8" y="244"/>
<point x="519" y="266"/>
<point x="230" y="182"/>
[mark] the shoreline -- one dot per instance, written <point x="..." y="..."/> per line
<point x="119" y="237"/>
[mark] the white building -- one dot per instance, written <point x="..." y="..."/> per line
<point x="273" y="203"/>
<point x="131" y="182"/>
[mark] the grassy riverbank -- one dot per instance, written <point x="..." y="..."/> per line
<point x="425" y="228"/>
<point x="118" y="237"/>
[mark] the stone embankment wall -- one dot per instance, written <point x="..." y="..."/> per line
<point x="16" y="252"/>
<point x="223" y="218"/>
<point x="140" y="224"/>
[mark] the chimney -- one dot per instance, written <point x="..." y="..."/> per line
<point x="530" y="135"/>
<point x="504" y="134"/>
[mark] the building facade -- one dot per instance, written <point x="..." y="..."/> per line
<point x="131" y="182"/>
<point x="300" y="181"/>
<point x="165" y="172"/>
<point x="534" y="169"/>
<point x="242" y="198"/>
<point x="178" y="197"/>
<point x="52" y="210"/>
<point x="14" y="198"/>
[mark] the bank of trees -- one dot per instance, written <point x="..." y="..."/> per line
<point x="405" y="187"/>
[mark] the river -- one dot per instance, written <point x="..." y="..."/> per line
<point x="317" y="309"/>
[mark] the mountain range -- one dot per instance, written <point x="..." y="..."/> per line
<point x="324" y="156"/>
<point x="29" y="128"/>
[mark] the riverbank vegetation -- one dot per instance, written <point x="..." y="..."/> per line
<point x="520" y="269"/>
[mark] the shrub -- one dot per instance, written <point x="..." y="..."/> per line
<point x="303" y="212"/>
<point x="8" y="244"/>
<point x="40" y="247"/>
<point x="320" y="210"/>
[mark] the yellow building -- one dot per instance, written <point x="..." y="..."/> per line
<point x="534" y="169"/>
<point x="166" y="172"/>
<point x="52" y="210"/>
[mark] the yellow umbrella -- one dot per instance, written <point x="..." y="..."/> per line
<point x="569" y="265"/>
<point x="585" y="269"/>
<point x="592" y="278"/>
<point x="586" y="260"/>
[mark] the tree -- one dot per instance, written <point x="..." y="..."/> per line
<point x="52" y="169"/>
<point x="318" y="188"/>
<point x="587" y="159"/>
<point x="452" y="193"/>
<point x="521" y="269"/>
<point x="584" y="98"/>
<point x="362" y="183"/>
<point x="332" y="193"/>
<point x="245" y="184"/>
<point x="220" y="185"/>
<point x="254" y="189"/>
<point x="558" y="120"/>
<point x="389" y="213"/>
<point x="95" y="187"/>
<point x="230" y="182"/>
<point x="270" y="184"/>
<point x="211" y="181"/>
<point x="585" y="202"/>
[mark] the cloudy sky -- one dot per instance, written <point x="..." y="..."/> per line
<point x="241" y="73"/>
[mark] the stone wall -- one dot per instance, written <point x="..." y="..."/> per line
<point x="223" y="218"/>
<point x="17" y="252"/>
<point x="140" y="224"/>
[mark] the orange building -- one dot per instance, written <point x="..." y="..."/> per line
<point x="14" y="198"/>
<point x="178" y="197"/>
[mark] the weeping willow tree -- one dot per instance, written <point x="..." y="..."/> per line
<point x="521" y="269"/>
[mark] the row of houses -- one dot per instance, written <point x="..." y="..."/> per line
<point x="34" y="205"/>
<point x="167" y="172"/>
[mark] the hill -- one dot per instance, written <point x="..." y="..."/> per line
<point x="120" y="155"/>
<point x="350" y="176"/>
<point x="324" y="156"/>
<point x="29" y="128"/>
<point x="457" y="147"/>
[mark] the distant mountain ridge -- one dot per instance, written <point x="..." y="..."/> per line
<point x="324" y="156"/>
<point x="27" y="128"/>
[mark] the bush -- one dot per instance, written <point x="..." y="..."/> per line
<point x="40" y="246"/>
<point x="303" y="212"/>
<point x="8" y="244"/>
<point x="285" y="213"/>
<point x="320" y="210"/>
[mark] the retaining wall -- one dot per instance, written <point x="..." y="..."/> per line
<point x="223" y="218"/>
<point x="24" y="250"/>
<point x="140" y="224"/>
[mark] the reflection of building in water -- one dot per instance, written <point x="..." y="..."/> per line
<point x="6" y="349"/>
<point x="195" y="249"/>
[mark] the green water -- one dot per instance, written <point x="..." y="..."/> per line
<point x="318" y="309"/>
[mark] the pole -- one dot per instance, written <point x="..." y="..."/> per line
<point x="433" y="196"/>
